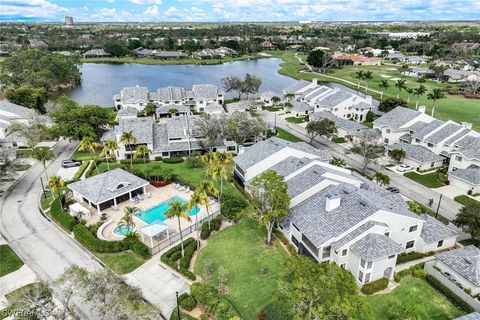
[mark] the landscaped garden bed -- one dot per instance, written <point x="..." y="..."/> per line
<point x="429" y="180"/>
<point x="296" y="120"/>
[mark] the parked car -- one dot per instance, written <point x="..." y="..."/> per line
<point x="393" y="189"/>
<point x="447" y="275"/>
<point x="404" y="168"/>
<point x="71" y="163"/>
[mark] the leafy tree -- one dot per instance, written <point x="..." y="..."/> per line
<point x="368" y="148"/>
<point x="134" y="44"/>
<point x="233" y="83"/>
<point x="320" y="59"/>
<point x="211" y="128"/>
<point x="88" y="144"/>
<point x="56" y="183"/>
<point x="384" y="85"/>
<point x="116" y="48"/>
<point x="324" y="127"/>
<point x="32" y="98"/>
<point x="33" y="130"/>
<point x="435" y="95"/>
<point x="178" y="210"/>
<point x="43" y="155"/>
<point x="391" y="103"/>
<point x="469" y="219"/>
<point x="249" y="85"/>
<point x="397" y="154"/>
<point x="381" y="178"/>
<point x="370" y="116"/>
<point x="242" y="127"/>
<point x="338" y="162"/>
<point x="150" y="109"/>
<point x="128" y="139"/>
<point x="420" y="91"/>
<point x="270" y="198"/>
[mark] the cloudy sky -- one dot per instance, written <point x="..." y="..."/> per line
<point x="237" y="10"/>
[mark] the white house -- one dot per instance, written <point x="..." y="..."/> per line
<point x="11" y="113"/>
<point x="339" y="216"/>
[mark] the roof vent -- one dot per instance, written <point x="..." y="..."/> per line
<point x="333" y="202"/>
<point x="422" y="109"/>
<point x="363" y="202"/>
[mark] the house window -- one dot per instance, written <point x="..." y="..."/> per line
<point x="360" y="276"/>
<point x="342" y="266"/>
<point x="417" y="140"/>
<point x="344" y="252"/>
<point x="391" y="257"/>
<point x="369" y="264"/>
<point x="410" y="244"/>
<point x="387" y="234"/>
<point x="326" y="252"/>
<point x="440" y="243"/>
<point x="164" y="154"/>
<point x="367" y="278"/>
<point x="432" y="164"/>
<point x="458" y="158"/>
<point x="362" y="263"/>
<point x="430" y="145"/>
<point x="413" y="228"/>
<point x="295" y="241"/>
<point x="385" y="140"/>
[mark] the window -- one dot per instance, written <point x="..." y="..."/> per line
<point x="342" y="266"/>
<point x="391" y="257"/>
<point x="417" y="140"/>
<point x="360" y="276"/>
<point x="387" y="234"/>
<point x="430" y="145"/>
<point x="367" y="278"/>
<point x="344" y="252"/>
<point x="432" y="164"/>
<point x="295" y="241"/>
<point x="410" y="244"/>
<point x="385" y="140"/>
<point x="326" y="252"/>
<point x="164" y="154"/>
<point x="440" y="243"/>
<point x="362" y="263"/>
<point x="369" y="264"/>
<point x="458" y="158"/>
<point x="413" y="228"/>
<point x="387" y="131"/>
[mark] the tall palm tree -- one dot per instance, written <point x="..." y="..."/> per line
<point x="359" y="76"/>
<point x="435" y="95"/>
<point x="205" y="188"/>
<point x="178" y="210"/>
<point x="289" y="96"/>
<point x="420" y="91"/>
<point x="403" y="69"/>
<point x="111" y="146"/>
<point x="409" y="93"/>
<point x="400" y="84"/>
<point x="127" y="219"/>
<point x="43" y="155"/>
<point x="88" y="144"/>
<point x="143" y="151"/>
<point x="367" y="76"/>
<point x="56" y="184"/>
<point x="381" y="178"/>
<point x="384" y="85"/>
<point x="195" y="200"/>
<point x="218" y="170"/>
<point x="128" y="138"/>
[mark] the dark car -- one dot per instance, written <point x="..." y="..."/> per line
<point x="393" y="189"/>
<point x="71" y="163"/>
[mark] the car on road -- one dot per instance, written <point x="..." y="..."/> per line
<point x="393" y="189"/>
<point x="71" y="163"/>
<point x="447" y="275"/>
<point x="404" y="168"/>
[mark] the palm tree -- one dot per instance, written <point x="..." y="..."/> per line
<point x="195" y="200"/>
<point x="127" y="219"/>
<point x="172" y="112"/>
<point x="288" y="106"/>
<point x="403" y="69"/>
<point x="359" y="76"/>
<point x="143" y="151"/>
<point x="409" y="92"/>
<point x="381" y="178"/>
<point x="289" y="96"/>
<point x="397" y="154"/>
<point x="338" y="162"/>
<point x="435" y="95"/>
<point x="205" y="188"/>
<point x="275" y="100"/>
<point x="368" y="75"/>
<point x="178" y="210"/>
<point x="43" y="155"/>
<point x="111" y="146"/>
<point x="384" y="85"/>
<point x="56" y="184"/>
<point x="128" y="138"/>
<point x="88" y="144"/>
<point x="420" y="91"/>
<point x="217" y="170"/>
<point x="400" y="84"/>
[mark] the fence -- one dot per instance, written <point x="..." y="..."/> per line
<point x="175" y="237"/>
<point x="452" y="286"/>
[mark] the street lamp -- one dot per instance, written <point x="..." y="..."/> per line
<point x="43" y="188"/>
<point x="438" y="207"/>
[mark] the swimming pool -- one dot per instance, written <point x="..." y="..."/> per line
<point x="158" y="212"/>
<point x="122" y="231"/>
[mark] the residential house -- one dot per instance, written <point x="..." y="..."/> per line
<point x="471" y="316"/>
<point x="457" y="76"/>
<point x="358" y="59"/>
<point x="416" y="156"/>
<point x="339" y="216"/>
<point x="143" y="53"/>
<point x="11" y="113"/>
<point x="267" y="45"/>
<point x="345" y="128"/>
<point x="96" y="53"/>
<point x="170" y="55"/>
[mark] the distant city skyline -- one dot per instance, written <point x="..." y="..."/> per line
<point x="238" y="10"/>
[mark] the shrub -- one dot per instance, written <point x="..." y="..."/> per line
<point x="193" y="161"/>
<point x="134" y="161"/>
<point x="456" y="300"/>
<point x="62" y="218"/>
<point x="158" y="158"/>
<point x="173" y="160"/>
<point x="205" y="231"/>
<point x="182" y="297"/>
<point x="133" y="243"/>
<point x="89" y="240"/>
<point x="209" y="297"/>
<point x="188" y="304"/>
<point x="80" y="171"/>
<point x="232" y="205"/>
<point x="216" y="223"/>
<point x="173" y="257"/>
<point x="375" y="286"/>
<point x="407" y="257"/>
<point x="370" y="116"/>
<point x="415" y="271"/>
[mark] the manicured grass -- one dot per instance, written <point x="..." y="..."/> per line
<point x="465" y="200"/>
<point x="429" y="180"/>
<point x="295" y="119"/>
<point x="84" y="155"/>
<point x="273" y="109"/>
<point x="122" y="262"/>
<point x="339" y="140"/>
<point x="419" y="293"/>
<point x="285" y="135"/>
<point x="162" y="62"/>
<point x="9" y="261"/>
<point x="240" y="249"/>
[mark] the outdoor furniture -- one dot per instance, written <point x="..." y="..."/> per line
<point x="149" y="195"/>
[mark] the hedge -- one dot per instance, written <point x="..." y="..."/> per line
<point x="456" y="300"/>
<point x="209" y="297"/>
<point x="416" y="271"/>
<point x="188" y="303"/>
<point x="89" y="240"/>
<point x="232" y="205"/>
<point x="375" y="286"/>
<point x="205" y="231"/>
<point x="62" y="218"/>
<point x="92" y="167"/>
<point x="173" y="257"/>
<point x="80" y="171"/>
<point x="134" y="244"/>
<point x="411" y="256"/>
<point x="134" y="161"/>
<point x="173" y="160"/>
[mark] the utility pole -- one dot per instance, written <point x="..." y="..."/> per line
<point x="275" y="123"/>
<point x="43" y="188"/>
<point x="178" y="306"/>
<point x="438" y="207"/>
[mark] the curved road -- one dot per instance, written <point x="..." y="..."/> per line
<point x="40" y="244"/>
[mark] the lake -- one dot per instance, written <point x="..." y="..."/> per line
<point x="100" y="81"/>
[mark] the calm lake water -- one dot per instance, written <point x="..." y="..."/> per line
<point x="100" y="81"/>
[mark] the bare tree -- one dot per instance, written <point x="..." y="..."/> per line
<point x="369" y="148"/>
<point x="242" y="127"/>
<point x="33" y="131"/>
<point x="472" y="85"/>
<point x="210" y="129"/>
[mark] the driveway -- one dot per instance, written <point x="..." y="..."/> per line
<point x="67" y="173"/>
<point x="159" y="284"/>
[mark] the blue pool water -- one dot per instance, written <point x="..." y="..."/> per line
<point x="158" y="212"/>
<point x="122" y="231"/>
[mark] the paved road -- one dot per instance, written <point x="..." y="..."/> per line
<point x="415" y="191"/>
<point x="40" y="244"/>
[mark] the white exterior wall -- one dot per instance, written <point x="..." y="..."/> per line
<point x="416" y="165"/>
<point x="464" y="185"/>
<point x="429" y="247"/>
<point x="460" y="162"/>
<point x="464" y="282"/>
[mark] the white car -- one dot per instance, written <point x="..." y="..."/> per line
<point x="404" y="168"/>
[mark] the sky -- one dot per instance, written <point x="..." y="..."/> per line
<point x="237" y="10"/>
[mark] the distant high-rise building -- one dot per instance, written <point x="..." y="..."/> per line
<point x="68" y="21"/>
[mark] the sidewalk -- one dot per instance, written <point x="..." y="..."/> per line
<point x="15" y="280"/>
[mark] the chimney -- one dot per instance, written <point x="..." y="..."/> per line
<point x="466" y="125"/>
<point x="422" y="109"/>
<point x="333" y="202"/>
<point x="315" y="81"/>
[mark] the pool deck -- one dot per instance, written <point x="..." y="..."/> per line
<point x="158" y="195"/>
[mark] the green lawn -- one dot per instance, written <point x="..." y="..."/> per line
<point x="421" y="294"/>
<point x="295" y="119"/>
<point x="122" y="262"/>
<point x="454" y="107"/>
<point x="84" y="155"/>
<point x="273" y="109"/>
<point x="163" y="62"/>
<point x="285" y="135"/>
<point x="465" y="200"/>
<point x="240" y="249"/>
<point x="339" y="140"/>
<point x="9" y="261"/>
<point x="429" y="180"/>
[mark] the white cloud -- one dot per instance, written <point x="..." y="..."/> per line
<point x="110" y="1"/>
<point x="152" y="11"/>
<point x="146" y="1"/>
<point x="171" y="11"/>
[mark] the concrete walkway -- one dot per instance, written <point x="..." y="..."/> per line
<point x="159" y="284"/>
<point x="15" y="280"/>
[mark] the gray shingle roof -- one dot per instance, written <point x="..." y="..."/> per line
<point x="294" y="87"/>
<point x="470" y="316"/>
<point x="397" y="118"/>
<point x="290" y="165"/>
<point x="173" y="54"/>
<point x="469" y="147"/>
<point x="465" y="261"/>
<point x="470" y="174"/>
<point x="164" y="109"/>
<point x="300" y="106"/>
<point x="140" y="127"/>
<point x="375" y="246"/>
<point x="355" y="233"/>
<point x="171" y="93"/>
<point x="434" y="231"/>
<point x="458" y="136"/>
<point x="205" y="91"/>
<point x="416" y="152"/>
<point x="127" y="112"/>
<point x="428" y="128"/>
<point x="264" y="149"/>
<point x="134" y="94"/>
<point x="333" y="99"/>
<point x="344" y="124"/>
<point x="108" y="185"/>
<point x="443" y="133"/>
<point x="305" y="180"/>
<point x="16" y="110"/>
<point x="214" y="108"/>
